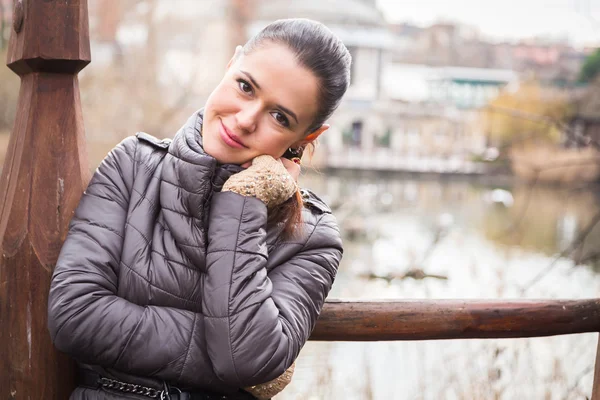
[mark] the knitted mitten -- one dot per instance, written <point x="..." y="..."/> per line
<point x="267" y="390"/>
<point x="266" y="179"/>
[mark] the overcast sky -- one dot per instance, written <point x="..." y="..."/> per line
<point x="506" y="19"/>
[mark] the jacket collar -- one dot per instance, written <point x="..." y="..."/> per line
<point x="187" y="143"/>
<point x="187" y="146"/>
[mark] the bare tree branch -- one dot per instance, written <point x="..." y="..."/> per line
<point x="413" y="273"/>
<point x="521" y="215"/>
<point x="574" y="386"/>
<point x="526" y="116"/>
<point x="550" y="122"/>
<point x="554" y="165"/>
<point x="572" y="247"/>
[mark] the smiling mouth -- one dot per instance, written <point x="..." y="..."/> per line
<point x="229" y="138"/>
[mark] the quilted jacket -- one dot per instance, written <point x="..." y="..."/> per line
<point x="163" y="278"/>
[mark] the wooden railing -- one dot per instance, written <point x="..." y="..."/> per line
<point x="45" y="173"/>
<point x="455" y="319"/>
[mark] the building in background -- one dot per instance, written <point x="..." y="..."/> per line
<point x="468" y="88"/>
<point x="398" y="115"/>
<point x="553" y="61"/>
<point x="415" y="96"/>
<point x="362" y="28"/>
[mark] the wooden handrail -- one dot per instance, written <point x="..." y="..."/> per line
<point x="458" y="319"/>
<point x="454" y="319"/>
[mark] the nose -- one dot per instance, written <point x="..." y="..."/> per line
<point x="247" y="118"/>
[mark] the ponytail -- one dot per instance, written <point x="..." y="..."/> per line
<point x="289" y="214"/>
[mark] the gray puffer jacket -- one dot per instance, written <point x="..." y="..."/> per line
<point x="163" y="277"/>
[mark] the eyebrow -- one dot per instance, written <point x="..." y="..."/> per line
<point x="284" y="109"/>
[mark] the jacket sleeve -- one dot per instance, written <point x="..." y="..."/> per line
<point x="86" y="318"/>
<point x="257" y="322"/>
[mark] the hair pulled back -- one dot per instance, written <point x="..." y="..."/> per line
<point x="317" y="49"/>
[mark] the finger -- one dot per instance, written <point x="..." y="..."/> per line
<point x="292" y="168"/>
<point x="263" y="158"/>
<point x="246" y="164"/>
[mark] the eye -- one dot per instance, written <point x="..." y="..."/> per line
<point x="281" y="118"/>
<point x="244" y="86"/>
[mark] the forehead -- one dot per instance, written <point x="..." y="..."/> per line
<point x="282" y="80"/>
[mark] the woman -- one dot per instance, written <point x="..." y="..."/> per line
<point x="188" y="271"/>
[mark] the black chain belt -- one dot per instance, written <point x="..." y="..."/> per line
<point x="94" y="380"/>
<point x="114" y="384"/>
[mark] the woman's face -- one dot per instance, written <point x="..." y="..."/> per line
<point x="264" y="104"/>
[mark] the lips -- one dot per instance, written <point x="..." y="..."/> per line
<point x="230" y="138"/>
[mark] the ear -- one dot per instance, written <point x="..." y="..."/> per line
<point x="311" y="137"/>
<point x="236" y="55"/>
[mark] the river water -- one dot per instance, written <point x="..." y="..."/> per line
<point x="470" y="239"/>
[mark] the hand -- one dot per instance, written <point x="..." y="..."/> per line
<point x="292" y="168"/>
<point x="266" y="179"/>
<point x="267" y="390"/>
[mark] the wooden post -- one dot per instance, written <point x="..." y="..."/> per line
<point x="596" y="384"/>
<point x="44" y="174"/>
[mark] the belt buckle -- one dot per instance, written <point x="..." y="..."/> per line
<point x="165" y="394"/>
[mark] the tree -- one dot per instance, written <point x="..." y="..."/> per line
<point x="529" y="114"/>
<point x="590" y="68"/>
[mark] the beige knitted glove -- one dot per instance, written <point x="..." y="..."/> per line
<point x="267" y="390"/>
<point x="266" y="179"/>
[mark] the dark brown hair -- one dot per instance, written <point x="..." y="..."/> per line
<point x="320" y="51"/>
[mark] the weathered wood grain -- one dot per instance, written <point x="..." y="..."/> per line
<point x="44" y="174"/>
<point x="455" y="319"/>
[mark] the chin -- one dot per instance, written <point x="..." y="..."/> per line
<point x="221" y="152"/>
<point x="217" y="151"/>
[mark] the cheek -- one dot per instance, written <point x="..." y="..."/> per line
<point x="222" y="98"/>
<point x="273" y="144"/>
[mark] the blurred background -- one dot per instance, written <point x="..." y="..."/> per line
<point x="463" y="163"/>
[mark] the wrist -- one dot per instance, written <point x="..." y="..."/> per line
<point x="271" y="188"/>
